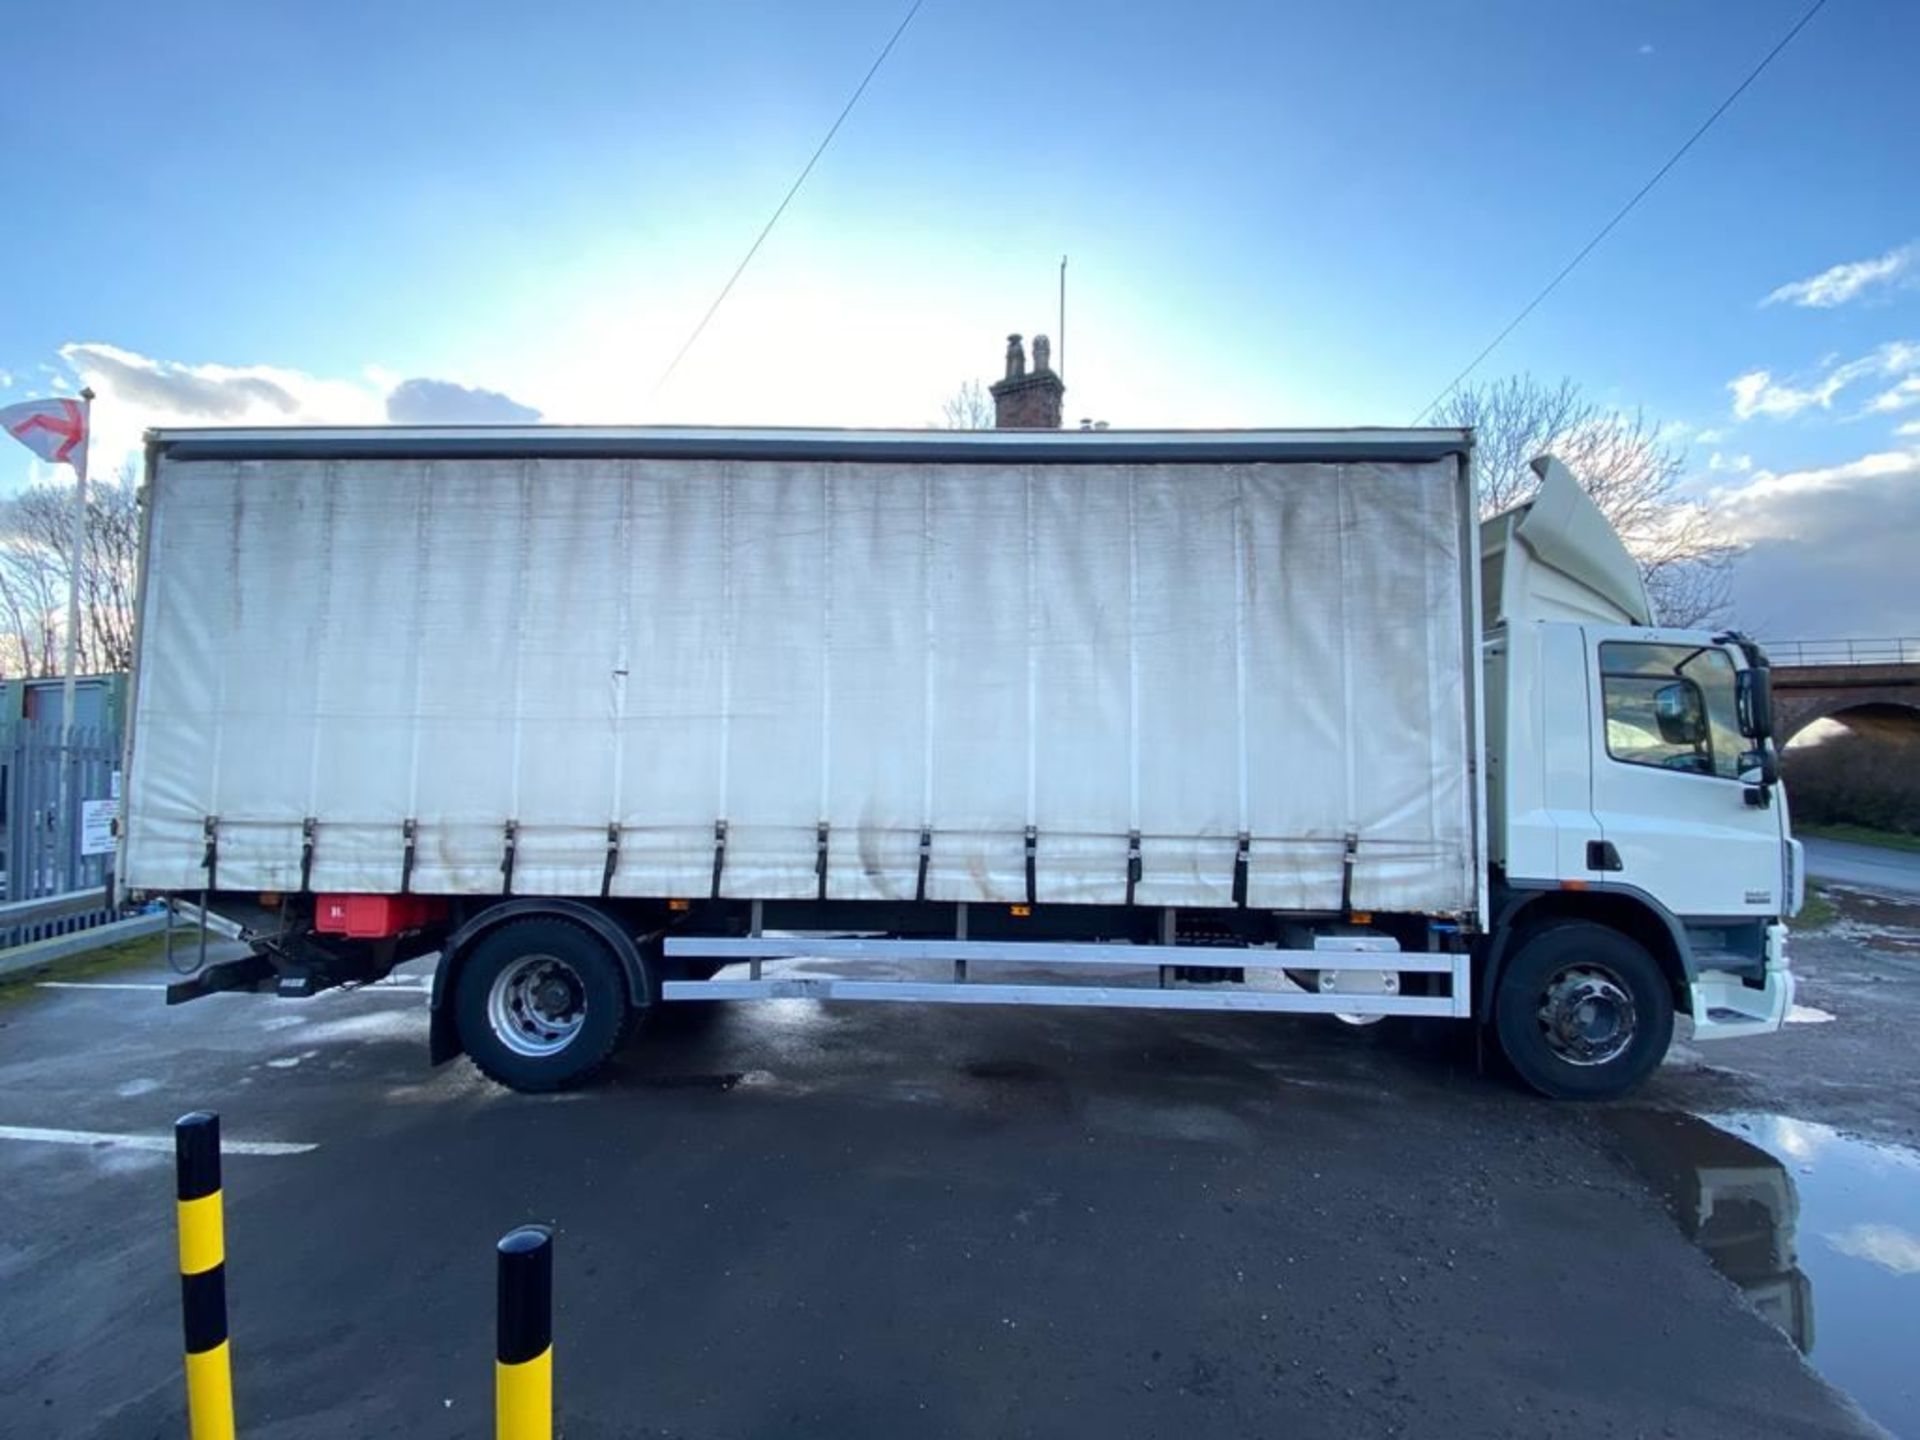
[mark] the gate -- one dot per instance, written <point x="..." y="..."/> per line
<point x="59" y="839"/>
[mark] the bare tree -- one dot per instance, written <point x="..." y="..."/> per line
<point x="31" y="601"/>
<point x="968" y="408"/>
<point x="36" y="536"/>
<point x="110" y="572"/>
<point x="1632" y="475"/>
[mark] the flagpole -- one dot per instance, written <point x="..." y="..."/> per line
<point x="76" y="560"/>
<point x="79" y="545"/>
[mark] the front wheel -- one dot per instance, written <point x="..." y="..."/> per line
<point x="1583" y="1012"/>
<point x="541" y="1004"/>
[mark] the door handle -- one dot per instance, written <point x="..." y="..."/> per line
<point x="1602" y="856"/>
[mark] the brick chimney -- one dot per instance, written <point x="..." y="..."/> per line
<point x="1028" y="400"/>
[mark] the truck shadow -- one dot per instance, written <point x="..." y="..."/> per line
<point x="998" y="1059"/>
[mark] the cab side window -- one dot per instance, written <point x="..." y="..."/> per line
<point x="1671" y="707"/>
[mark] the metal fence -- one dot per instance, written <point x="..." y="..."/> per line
<point x="57" y="807"/>
<point x="22" y="922"/>
<point x="1897" y="650"/>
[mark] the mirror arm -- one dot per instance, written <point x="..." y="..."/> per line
<point x="1759" y="797"/>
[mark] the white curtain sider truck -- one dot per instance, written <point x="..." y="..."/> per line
<point x="611" y="719"/>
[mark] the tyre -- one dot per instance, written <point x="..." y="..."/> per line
<point x="1583" y="1012"/>
<point x="541" y="1004"/>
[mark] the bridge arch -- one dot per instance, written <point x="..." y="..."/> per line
<point x="1891" y="714"/>
<point x="1880" y="692"/>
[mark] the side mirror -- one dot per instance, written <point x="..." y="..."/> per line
<point x="1681" y="713"/>
<point x="1753" y="701"/>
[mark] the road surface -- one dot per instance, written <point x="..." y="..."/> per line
<point x="1895" y="872"/>
<point x="798" y="1219"/>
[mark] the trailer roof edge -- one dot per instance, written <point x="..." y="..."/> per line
<point x="724" y="443"/>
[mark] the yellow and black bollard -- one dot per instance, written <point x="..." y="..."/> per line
<point x="203" y="1276"/>
<point x="523" y="1346"/>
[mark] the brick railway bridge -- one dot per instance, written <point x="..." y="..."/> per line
<point x="1870" y="686"/>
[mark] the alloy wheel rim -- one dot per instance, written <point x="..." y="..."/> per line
<point x="537" y="1005"/>
<point x="1587" y="1015"/>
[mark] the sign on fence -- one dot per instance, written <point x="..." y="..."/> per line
<point x="96" y="826"/>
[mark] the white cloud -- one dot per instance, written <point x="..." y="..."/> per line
<point x="1758" y="393"/>
<point x="135" y="392"/>
<point x="1898" y="397"/>
<point x="1874" y="468"/>
<point x="1827" y="551"/>
<point x="1734" y="464"/>
<point x="441" y="402"/>
<point x="1646" y="49"/>
<point x="1840" y="283"/>
<point x="6" y="379"/>
<point x="1912" y="427"/>
<point x="1887" y="1246"/>
<point x="1709" y="436"/>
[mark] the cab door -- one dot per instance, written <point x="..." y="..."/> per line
<point x="1675" y="816"/>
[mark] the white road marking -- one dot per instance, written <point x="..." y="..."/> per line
<point x="146" y="1142"/>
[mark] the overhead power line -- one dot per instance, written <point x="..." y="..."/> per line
<point x="792" y="190"/>
<point x="1626" y="209"/>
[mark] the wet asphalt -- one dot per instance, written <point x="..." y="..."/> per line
<point x="1874" y="867"/>
<point x="795" y="1220"/>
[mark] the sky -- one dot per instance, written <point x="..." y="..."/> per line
<point x="1276" y="213"/>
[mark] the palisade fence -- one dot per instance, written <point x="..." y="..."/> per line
<point x="58" y="841"/>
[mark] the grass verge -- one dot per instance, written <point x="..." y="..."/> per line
<point x="1860" y="835"/>
<point x="141" y="953"/>
<point x="1816" y="913"/>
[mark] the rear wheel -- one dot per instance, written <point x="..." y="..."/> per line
<point x="541" y="1004"/>
<point x="1583" y="1012"/>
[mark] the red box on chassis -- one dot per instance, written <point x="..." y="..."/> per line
<point x="374" y="917"/>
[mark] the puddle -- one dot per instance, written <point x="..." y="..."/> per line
<point x="1885" y="924"/>
<point x="1820" y="1230"/>
<point x="1885" y="939"/>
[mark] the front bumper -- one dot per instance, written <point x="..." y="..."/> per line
<point x="1726" y="1006"/>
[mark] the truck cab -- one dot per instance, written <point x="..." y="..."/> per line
<point x="1632" y="788"/>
